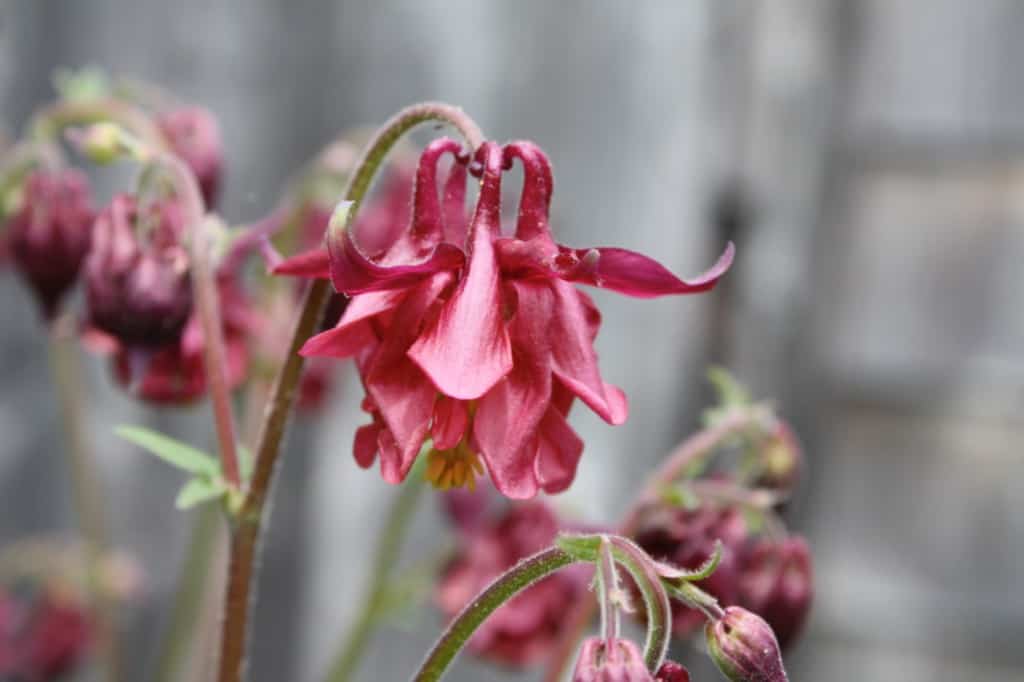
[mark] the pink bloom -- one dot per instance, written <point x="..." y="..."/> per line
<point x="193" y="134"/>
<point x="452" y="327"/>
<point x="523" y="631"/>
<point x="137" y="284"/>
<point x="49" y="235"/>
<point x="620" y="662"/>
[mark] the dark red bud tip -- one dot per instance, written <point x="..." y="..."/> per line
<point x="670" y="671"/>
<point x="744" y="647"/>
<point x="193" y="134"/>
<point x="622" y="663"/>
<point x="49" y="235"/>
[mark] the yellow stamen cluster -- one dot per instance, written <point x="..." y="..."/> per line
<point x="455" y="468"/>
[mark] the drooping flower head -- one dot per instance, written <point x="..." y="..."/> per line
<point x="619" y="661"/>
<point x="193" y="134"/>
<point x="523" y="631"/>
<point x="44" y="635"/>
<point x="771" y="576"/>
<point x="137" y="273"/>
<point x="474" y="338"/>
<point x="49" y="235"/>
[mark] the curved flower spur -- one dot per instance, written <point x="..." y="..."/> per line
<point x="451" y="326"/>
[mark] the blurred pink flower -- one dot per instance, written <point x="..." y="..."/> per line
<point x="193" y="135"/>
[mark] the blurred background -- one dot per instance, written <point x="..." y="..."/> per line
<point x="866" y="156"/>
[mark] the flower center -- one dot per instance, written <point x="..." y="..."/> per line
<point x="455" y="468"/>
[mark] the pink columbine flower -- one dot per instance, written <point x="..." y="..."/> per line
<point x="523" y="631"/>
<point x="49" y="235"/>
<point x="193" y="134"/>
<point x="477" y="339"/>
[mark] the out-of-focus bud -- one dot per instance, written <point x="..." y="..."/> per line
<point x="193" y="134"/>
<point x="777" y="582"/>
<point x="782" y="460"/>
<point x="686" y="538"/>
<point x="525" y="629"/>
<point x="8" y="627"/>
<point x="49" y="235"/>
<point x="670" y="671"/>
<point x="744" y="647"/>
<point x="102" y="143"/>
<point x="623" y="663"/>
<point x="56" y="637"/>
<point x="137" y="273"/>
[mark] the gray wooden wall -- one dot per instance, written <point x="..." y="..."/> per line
<point x="877" y="292"/>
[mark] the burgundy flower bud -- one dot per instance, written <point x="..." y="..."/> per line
<point x="194" y="135"/>
<point x="777" y="582"/>
<point x="58" y="638"/>
<point x="525" y="629"/>
<point x="686" y="538"/>
<point x="49" y="236"/>
<point x="782" y="460"/>
<point x="623" y="663"/>
<point x="744" y="647"/>
<point x="670" y="671"/>
<point x="137" y="273"/>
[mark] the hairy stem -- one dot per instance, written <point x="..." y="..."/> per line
<point x="518" y="578"/>
<point x="86" y="488"/>
<point x="245" y="537"/>
<point x="381" y="572"/>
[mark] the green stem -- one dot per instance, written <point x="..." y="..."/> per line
<point x="392" y="536"/>
<point x="86" y="488"/>
<point x="246" y="534"/>
<point x="47" y="123"/>
<point x="515" y="580"/>
<point x="190" y="596"/>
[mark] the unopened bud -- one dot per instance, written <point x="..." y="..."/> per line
<point x="744" y="647"/>
<point x="137" y="273"/>
<point x="103" y="142"/>
<point x="49" y="235"/>
<point x="622" y="663"/>
<point x="781" y="458"/>
<point x="670" y="671"/>
<point x="777" y="582"/>
<point x="193" y="135"/>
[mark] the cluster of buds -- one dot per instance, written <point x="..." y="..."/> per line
<point x="452" y="323"/>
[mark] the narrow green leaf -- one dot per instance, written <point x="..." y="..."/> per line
<point x="172" y="451"/>
<point x="199" y="490"/>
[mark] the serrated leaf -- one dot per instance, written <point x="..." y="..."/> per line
<point x="199" y="490"/>
<point x="174" y="452"/>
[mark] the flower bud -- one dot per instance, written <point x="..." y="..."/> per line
<point x="193" y="134"/>
<point x="782" y="460"/>
<point x="777" y="582"/>
<point x="49" y="235"/>
<point x="670" y="671"/>
<point x="623" y="663"/>
<point x="137" y="273"/>
<point x="744" y="647"/>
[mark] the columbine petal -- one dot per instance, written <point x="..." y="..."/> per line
<point x="365" y="445"/>
<point x="454" y="204"/>
<point x="575" y="361"/>
<point x="353" y="331"/>
<point x="507" y="416"/>
<point x="634" y="274"/>
<point x="449" y="422"/>
<point x="467" y="350"/>
<point x="513" y="475"/>
<point x="558" y="452"/>
<point x="313" y="263"/>
<point x="354" y="273"/>
<point x="538" y="184"/>
<point x="401" y="392"/>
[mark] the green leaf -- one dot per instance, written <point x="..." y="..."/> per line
<point x="199" y="490"/>
<point x="81" y="85"/>
<point x="172" y="451"/>
<point x="730" y="391"/>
